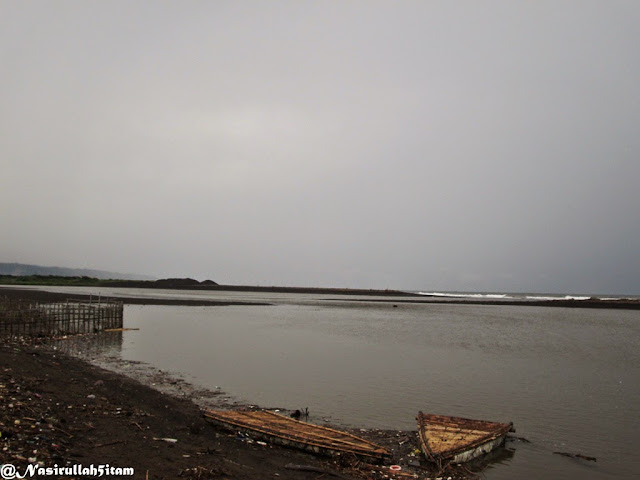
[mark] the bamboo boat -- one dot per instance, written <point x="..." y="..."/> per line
<point x="458" y="440"/>
<point x="281" y="430"/>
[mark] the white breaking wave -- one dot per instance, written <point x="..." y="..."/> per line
<point x="501" y="296"/>
<point x="465" y="295"/>
<point x="566" y="297"/>
<point x="524" y="296"/>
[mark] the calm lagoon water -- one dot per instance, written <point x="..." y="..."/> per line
<point x="569" y="379"/>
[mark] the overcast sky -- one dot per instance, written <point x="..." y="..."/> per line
<point x="487" y="146"/>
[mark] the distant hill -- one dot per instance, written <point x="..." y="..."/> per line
<point x="22" y="269"/>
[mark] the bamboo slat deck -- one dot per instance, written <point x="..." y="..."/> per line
<point x="458" y="439"/>
<point x="286" y="431"/>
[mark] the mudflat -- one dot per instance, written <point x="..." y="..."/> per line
<point x="62" y="411"/>
<point x="59" y="411"/>
<point x="45" y="296"/>
<point x="14" y="291"/>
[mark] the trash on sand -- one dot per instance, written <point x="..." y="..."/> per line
<point x="165" y="439"/>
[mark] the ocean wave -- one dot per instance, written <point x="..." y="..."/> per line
<point x="539" y="297"/>
<point x="565" y="297"/>
<point x="466" y="295"/>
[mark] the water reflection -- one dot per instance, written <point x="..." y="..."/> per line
<point x="547" y="370"/>
<point x="499" y="456"/>
<point x="567" y="378"/>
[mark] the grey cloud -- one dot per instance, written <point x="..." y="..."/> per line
<point x="419" y="145"/>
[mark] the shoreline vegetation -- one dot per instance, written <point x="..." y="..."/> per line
<point x="343" y="294"/>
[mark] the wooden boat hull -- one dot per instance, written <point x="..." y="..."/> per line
<point x="281" y="430"/>
<point x="457" y="439"/>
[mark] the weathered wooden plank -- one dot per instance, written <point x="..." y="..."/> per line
<point x="458" y="439"/>
<point x="287" y="431"/>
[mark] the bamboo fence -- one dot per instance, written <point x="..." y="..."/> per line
<point x="31" y="318"/>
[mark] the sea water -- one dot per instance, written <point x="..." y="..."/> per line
<point x="568" y="378"/>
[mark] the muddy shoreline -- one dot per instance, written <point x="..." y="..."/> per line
<point x="62" y="407"/>
<point x="44" y="296"/>
<point x="61" y="410"/>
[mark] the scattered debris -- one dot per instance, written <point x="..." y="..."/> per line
<point x="115" y="442"/>
<point x="197" y="473"/>
<point x="311" y="468"/>
<point x="165" y="439"/>
<point x="301" y="413"/>
<point x="576" y="455"/>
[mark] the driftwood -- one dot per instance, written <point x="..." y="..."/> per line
<point x="116" y="442"/>
<point x="387" y="471"/>
<point x="576" y="455"/>
<point x="311" y="468"/>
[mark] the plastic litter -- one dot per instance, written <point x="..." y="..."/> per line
<point x="165" y="439"/>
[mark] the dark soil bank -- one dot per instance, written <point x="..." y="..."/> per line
<point x="44" y="296"/>
<point x="58" y="410"/>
